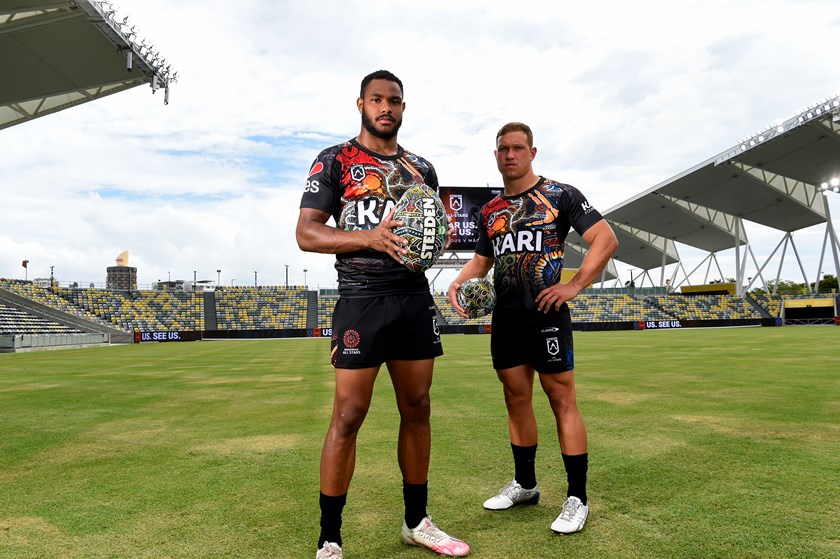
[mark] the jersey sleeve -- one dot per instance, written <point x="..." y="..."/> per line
<point x="431" y="178"/>
<point x="483" y="246"/>
<point x="322" y="191"/>
<point x="579" y="211"/>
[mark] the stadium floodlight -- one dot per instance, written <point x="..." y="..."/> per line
<point x="781" y="127"/>
<point x="832" y="185"/>
<point x="122" y="33"/>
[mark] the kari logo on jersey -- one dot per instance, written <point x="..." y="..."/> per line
<point x="367" y="214"/>
<point x="586" y="206"/>
<point x="518" y="241"/>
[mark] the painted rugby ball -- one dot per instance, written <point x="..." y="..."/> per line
<point x="424" y="227"/>
<point x="477" y="297"/>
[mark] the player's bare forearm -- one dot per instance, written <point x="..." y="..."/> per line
<point x="314" y="235"/>
<point x="602" y="244"/>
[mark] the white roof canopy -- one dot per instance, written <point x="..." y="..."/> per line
<point x="58" y="54"/>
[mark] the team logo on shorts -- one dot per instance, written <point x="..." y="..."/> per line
<point x="357" y="172"/>
<point x="552" y="345"/>
<point x="435" y="328"/>
<point x="351" y="339"/>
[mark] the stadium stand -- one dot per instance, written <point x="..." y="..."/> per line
<point x="612" y="308"/>
<point x="256" y="308"/>
<point x="704" y="307"/>
<point x="51" y="298"/>
<point x="326" y="305"/>
<point x="770" y="303"/>
<point x="141" y="310"/>
<point x="584" y="308"/>
<point x="16" y="321"/>
<point x="268" y="308"/>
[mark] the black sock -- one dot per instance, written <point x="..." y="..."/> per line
<point x="576" y="467"/>
<point x="415" y="496"/>
<point x="331" y="508"/>
<point x="524" y="460"/>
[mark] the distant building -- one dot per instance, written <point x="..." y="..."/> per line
<point x="122" y="277"/>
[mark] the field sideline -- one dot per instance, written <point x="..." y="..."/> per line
<point x="720" y="443"/>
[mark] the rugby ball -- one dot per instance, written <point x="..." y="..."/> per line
<point x="424" y="227"/>
<point x="477" y="297"/>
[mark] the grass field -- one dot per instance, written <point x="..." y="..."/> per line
<point x="703" y="443"/>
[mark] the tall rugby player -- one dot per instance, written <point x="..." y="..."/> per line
<point x="385" y="312"/>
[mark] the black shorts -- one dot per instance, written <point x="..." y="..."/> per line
<point x="370" y="331"/>
<point x="543" y="341"/>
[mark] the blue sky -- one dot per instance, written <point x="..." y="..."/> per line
<point x="621" y="96"/>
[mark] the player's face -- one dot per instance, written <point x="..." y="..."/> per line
<point x="513" y="155"/>
<point x="382" y="108"/>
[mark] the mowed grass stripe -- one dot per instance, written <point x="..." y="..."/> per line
<point x="703" y="443"/>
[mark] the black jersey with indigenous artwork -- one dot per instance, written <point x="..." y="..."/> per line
<point x="526" y="235"/>
<point x="358" y="188"/>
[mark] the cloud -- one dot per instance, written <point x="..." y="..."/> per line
<point x="621" y="96"/>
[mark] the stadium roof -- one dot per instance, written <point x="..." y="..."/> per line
<point x="774" y="178"/>
<point x="58" y="54"/>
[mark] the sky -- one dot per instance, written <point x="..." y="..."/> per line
<point x="621" y="96"/>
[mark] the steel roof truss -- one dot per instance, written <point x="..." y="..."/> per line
<point x="655" y="242"/>
<point x="714" y="218"/>
<point x="798" y="191"/>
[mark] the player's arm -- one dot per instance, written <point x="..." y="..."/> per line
<point x="602" y="244"/>
<point x="477" y="267"/>
<point x="314" y="235"/>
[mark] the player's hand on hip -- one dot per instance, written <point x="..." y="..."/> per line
<point x="553" y="297"/>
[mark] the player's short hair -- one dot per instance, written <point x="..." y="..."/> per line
<point x="517" y="127"/>
<point x="379" y="75"/>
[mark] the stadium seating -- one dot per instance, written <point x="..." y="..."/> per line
<point x="278" y="307"/>
<point x="142" y="310"/>
<point x="771" y="303"/>
<point x="326" y="305"/>
<point x="705" y="307"/>
<point x="16" y="321"/>
<point x="612" y="308"/>
<point x="257" y="308"/>
<point x="54" y="298"/>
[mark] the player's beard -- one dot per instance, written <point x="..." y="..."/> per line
<point x="370" y="126"/>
